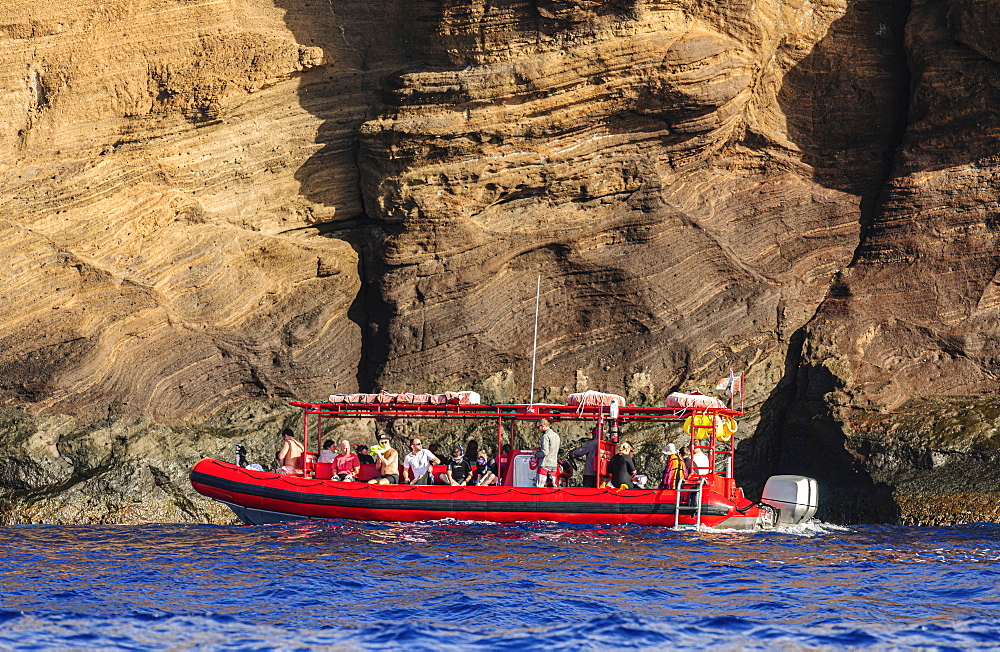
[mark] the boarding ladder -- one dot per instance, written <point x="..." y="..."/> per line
<point x="696" y="490"/>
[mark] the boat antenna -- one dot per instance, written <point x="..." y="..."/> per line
<point x="534" y="345"/>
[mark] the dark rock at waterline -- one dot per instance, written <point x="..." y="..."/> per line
<point x="242" y="205"/>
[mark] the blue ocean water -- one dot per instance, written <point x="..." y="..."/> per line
<point x="457" y="585"/>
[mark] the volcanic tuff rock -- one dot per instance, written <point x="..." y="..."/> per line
<point x="211" y="205"/>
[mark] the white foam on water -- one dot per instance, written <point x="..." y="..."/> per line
<point x="810" y="528"/>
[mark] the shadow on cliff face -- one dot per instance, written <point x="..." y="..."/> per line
<point x="846" y="106"/>
<point x="846" y="102"/>
<point x="799" y="434"/>
<point x="362" y="45"/>
<point x="369" y="47"/>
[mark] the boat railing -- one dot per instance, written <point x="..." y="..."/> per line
<point x="697" y="492"/>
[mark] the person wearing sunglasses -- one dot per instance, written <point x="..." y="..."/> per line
<point x="419" y="461"/>
<point x="386" y="462"/>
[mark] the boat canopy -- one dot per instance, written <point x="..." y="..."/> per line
<point x="553" y="412"/>
<point x="710" y="428"/>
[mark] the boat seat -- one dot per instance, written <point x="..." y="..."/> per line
<point x="366" y="472"/>
<point x="308" y="461"/>
<point x="324" y="470"/>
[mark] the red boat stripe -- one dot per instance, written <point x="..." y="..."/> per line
<point x="447" y="506"/>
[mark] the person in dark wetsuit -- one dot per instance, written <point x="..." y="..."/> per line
<point x="472" y="451"/>
<point x="485" y="470"/>
<point x="622" y="467"/>
<point x="459" y="470"/>
<point x="363" y="455"/>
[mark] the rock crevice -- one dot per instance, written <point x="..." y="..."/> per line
<point x="212" y="205"/>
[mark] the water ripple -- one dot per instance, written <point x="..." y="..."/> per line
<point x="469" y="585"/>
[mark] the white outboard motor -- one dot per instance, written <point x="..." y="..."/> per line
<point x="794" y="496"/>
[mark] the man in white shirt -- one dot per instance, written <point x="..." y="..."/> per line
<point x="547" y="454"/>
<point x="328" y="453"/>
<point x="419" y="461"/>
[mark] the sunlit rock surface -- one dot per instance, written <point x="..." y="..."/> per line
<point x="214" y="205"/>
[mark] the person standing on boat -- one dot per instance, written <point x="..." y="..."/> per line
<point x="588" y="451"/>
<point x="419" y="460"/>
<point x="346" y="465"/>
<point x="386" y="463"/>
<point x="290" y="455"/>
<point x="547" y="453"/>
<point x="622" y="467"/>
<point x="675" y="471"/>
<point x="699" y="462"/>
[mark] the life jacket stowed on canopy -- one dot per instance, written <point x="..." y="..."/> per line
<point x="701" y="424"/>
<point x="728" y="429"/>
<point x="725" y="426"/>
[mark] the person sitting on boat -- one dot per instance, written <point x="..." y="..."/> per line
<point x="419" y="461"/>
<point x="472" y="451"/>
<point x="486" y="470"/>
<point x="547" y="453"/>
<point x="290" y="455"/>
<point x="363" y="456"/>
<point x="328" y="453"/>
<point x="459" y="470"/>
<point x="674" y="472"/>
<point x="589" y="452"/>
<point x="346" y="465"/>
<point x="386" y="463"/>
<point x="622" y="467"/>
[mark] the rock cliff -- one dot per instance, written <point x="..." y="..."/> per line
<point x="212" y="206"/>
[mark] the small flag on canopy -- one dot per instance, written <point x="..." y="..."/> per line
<point x="732" y="384"/>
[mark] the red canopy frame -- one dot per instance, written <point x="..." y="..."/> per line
<point x="706" y="442"/>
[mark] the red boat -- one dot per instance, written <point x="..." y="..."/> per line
<point x="708" y="496"/>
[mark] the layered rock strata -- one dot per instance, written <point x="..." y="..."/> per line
<point x="212" y="206"/>
<point x="914" y="318"/>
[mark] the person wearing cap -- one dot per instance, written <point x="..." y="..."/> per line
<point x="547" y="454"/>
<point x="588" y="451"/>
<point x="674" y="472"/>
<point x="386" y="463"/>
<point x="290" y="455"/>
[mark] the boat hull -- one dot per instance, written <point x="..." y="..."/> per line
<point x="259" y="497"/>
